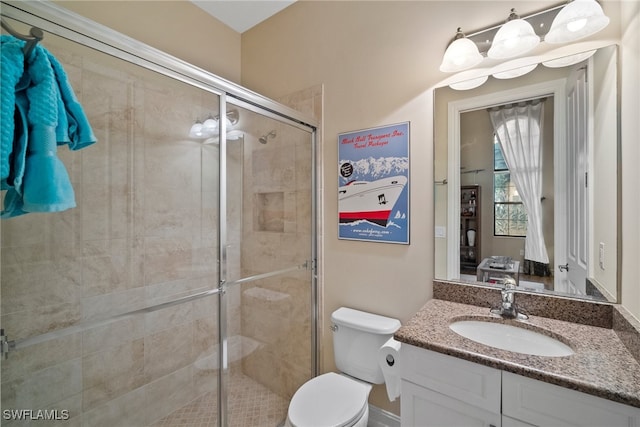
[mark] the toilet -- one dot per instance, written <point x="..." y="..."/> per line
<point x="340" y="400"/>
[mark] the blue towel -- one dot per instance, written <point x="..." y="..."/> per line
<point x="47" y="114"/>
<point x="11" y="69"/>
<point x="73" y="126"/>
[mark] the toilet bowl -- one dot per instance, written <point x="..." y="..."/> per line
<point x="340" y="400"/>
<point x="330" y="400"/>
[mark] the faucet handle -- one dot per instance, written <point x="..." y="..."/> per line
<point x="509" y="284"/>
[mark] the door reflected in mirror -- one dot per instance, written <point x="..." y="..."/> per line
<point x="539" y="155"/>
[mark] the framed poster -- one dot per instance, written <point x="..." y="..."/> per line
<point x="373" y="179"/>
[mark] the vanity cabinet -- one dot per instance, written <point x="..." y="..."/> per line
<point x="441" y="390"/>
<point x="541" y="404"/>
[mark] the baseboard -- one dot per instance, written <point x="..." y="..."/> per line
<point x="381" y="418"/>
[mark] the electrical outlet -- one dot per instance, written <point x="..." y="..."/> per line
<point x="521" y="252"/>
<point x="441" y="232"/>
<point x="601" y="256"/>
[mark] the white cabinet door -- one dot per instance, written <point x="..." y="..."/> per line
<point x="444" y="391"/>
<point x="421" y="407"/>
<point x="470" y="382"/>
<point x="543" y="404"/>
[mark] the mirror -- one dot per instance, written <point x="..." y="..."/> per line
<point x="576" y="218"/>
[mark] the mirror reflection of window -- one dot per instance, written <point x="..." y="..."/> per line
<point x="510" y="215"/>
<point x="519" y="132"/>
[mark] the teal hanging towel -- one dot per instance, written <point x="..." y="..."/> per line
<point x="45" y="113"/>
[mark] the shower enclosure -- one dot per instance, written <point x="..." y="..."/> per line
<point x="181" y="291"/>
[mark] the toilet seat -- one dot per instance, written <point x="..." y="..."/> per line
<point x="330" y="400"/>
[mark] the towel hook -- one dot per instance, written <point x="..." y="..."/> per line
<point x="35" y="35"/>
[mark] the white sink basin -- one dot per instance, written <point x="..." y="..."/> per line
<point x="511" y="338"/>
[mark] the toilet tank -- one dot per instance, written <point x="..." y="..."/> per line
<point x="357" y="337"/>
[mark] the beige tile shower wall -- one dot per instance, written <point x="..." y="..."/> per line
<point x="275" y="313"/>
<point x="310" y="101"/>
<point x="144" y="232"/>
<point x="277" y="214"/>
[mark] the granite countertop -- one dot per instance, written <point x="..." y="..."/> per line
<point x="601" y="366"/>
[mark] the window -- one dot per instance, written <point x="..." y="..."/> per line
<point x="509" y="214"/>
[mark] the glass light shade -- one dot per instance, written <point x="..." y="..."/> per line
<point x="578" y="19"/>
<point x="469" y="84"/>
<point x="460" y="55"/>
<point x="210" y="125"/>
<point x="196" y="130"/>
<point x="516" y="72"/>
<point x="568" y="60"/>
<point x="234" y="135"/>
<point x="514" y="38"/>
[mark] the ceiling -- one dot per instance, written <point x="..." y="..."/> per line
<point x="241" y="15"/>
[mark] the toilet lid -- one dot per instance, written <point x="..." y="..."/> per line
<point x="330" y="400"/>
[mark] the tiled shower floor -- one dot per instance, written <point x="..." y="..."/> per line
<point x="250" y="405"/>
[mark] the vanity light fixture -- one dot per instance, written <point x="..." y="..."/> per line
<point x="559" y="24"/>
<point x="469" y="84"/>
<point x="196" y="130"/>
<point x="513" y="68"/>
<point x="516" y="37"/>
<point x="460" y="55"/>
<point x="209" y="127"/>
<point x="568" y="60"/>
<point x="516" y="72"/>
<point x="232" y="118"/>
<point x="578" y="19"/>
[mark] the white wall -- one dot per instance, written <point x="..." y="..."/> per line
<point x="603" y="222"/>
<point x="630" y="127"/>
<point x="179" y="28"/>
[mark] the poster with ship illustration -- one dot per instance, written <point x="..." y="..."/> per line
<point x="373" y="177"/>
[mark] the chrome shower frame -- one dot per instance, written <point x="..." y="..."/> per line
<point x="54" y="19"/>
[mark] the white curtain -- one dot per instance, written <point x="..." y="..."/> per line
<point x="519" y="130"/>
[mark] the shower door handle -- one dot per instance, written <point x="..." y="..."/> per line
<point x="223" y="263"/>
<point x="5" y="345"/>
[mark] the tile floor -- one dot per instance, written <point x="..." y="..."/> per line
<point x="250" y="405"/>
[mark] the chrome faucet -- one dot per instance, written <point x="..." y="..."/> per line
<point x="508" y="308"/>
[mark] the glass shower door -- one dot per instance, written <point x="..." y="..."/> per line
<point x="112" y="307"/>
<point x="269" y="277"/>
